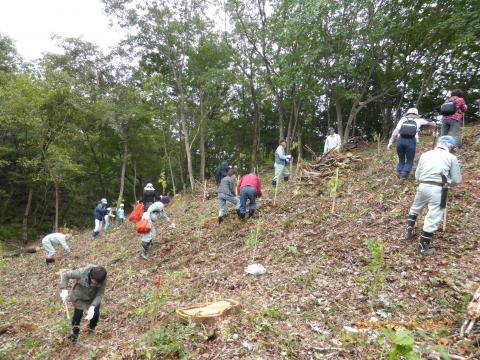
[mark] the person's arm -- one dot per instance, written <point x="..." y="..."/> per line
<point x="259" y="188"/>
<point x="63" y="242"/>
<point x="239" y="183"/>
<point x="68" y="275"/>
<point x="231" y="186"/>
<point x="339" y="142"/>
<point x="281" y="153"/>
<point x="396" y="131"/>
<point x="455" y="175"/>
<point x="463" y="105"/>
<point x="418" y="171"/>
<point x="98" y="298"/>
<point x="325" y="145"/>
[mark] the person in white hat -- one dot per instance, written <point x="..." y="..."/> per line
<point x="99" y="214"/>
<point x="120" y="215"/>
<point x="149" y="196"/>
<point x="406" y="134"/>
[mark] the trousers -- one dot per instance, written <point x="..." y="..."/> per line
<point x="428" y="195"/>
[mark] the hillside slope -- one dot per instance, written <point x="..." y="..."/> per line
<point x="324" y="272"/>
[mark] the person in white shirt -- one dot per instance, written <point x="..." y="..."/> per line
<point x="406" y="134"/>
<point x="332" y="142"/>
<point x="54" y="239"/>
<point x="435" y="168"/>
<point x="281" y="161"/>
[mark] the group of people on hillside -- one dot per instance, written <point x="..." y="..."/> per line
<point x="437" y="169"/>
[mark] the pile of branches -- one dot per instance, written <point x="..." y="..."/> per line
<point x="326" y="165"/>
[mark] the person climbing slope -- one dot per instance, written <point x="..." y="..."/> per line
<point x="451" y="119"/>
<point x="99" y="215"/>
<point x="149" y="196"/>
<point x="87" y="294"/>
<point x="226" y="193"/>
<point x="436" y="170"/>
<point x="222" y="170"/>
<point x="248" y="187"/>
<point x="50" y="240"/>
<point x="154" y="212"/>
<point x="281" y="161"/>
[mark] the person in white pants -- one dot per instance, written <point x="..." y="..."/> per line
<point x="50" y="240"/>
<point x="280" y="164"/>
<point x="432" y="165"/>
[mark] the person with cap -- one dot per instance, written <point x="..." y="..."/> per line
<point x="332" y="142"/>
<point x="437" y="169"/>
<point x="154" y="212"/>
<point x="99" y="215"/>
<point x="406" y="134"/>
<point x="50" y="240"/>
<point x="149" y="196"/>
<point x="451" y="121"/>
<point x="120" y="215"/>
<point x="221" y="170"/>
<point x="226" y="193"/>
<point x="281" y="161"/>
<point x="87" y="294"/>
<point x="109" y="218"/>
<point x="248" y="187"/>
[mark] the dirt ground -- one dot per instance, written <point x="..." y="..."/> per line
<point x="334" y="281"/>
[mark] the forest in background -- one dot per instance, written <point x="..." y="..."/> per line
<point x="184" y="87"/>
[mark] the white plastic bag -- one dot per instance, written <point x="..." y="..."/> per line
<point x="255" y="269"/>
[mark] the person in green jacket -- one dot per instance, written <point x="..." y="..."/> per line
<point x="86" y="295"/>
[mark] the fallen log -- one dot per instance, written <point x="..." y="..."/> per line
<point x="16" y="253"/>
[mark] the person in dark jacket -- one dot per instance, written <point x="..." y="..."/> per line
<point x="226" y="192"/>
<point x="248" y="187"/>
<point x="99" y="214"/>
<point x="221" y="170"/>
<point x="149" y="196"/>
<point x="86" y="295"/>
<point x="451" y="123"/>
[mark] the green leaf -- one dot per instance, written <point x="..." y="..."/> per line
<point x="403" y="337"/>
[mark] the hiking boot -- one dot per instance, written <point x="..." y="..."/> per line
<point x="285" y="178"/>
<point x="274" y="183"/>
<point x="143" y="253"/>
<point x="410" y="226"/>
<point x="90" y="331"/>
<point x="50" y="260"/>
<point x="240" y="214"/>
<point x="424" y="244"/>
<point x="220" y="219"/>
<point x="402" y="178"/>
<point x="74" y="338"/>
<point x="251" y="212"/>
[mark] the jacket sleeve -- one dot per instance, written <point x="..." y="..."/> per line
<point x="231" y="186"/>
<point x="98" y="298"/>
<point x="325" y="145"/>
<point x="68" y="275"/>
<point x="281" y="154"/>
<point x="339" y="142"/>
<point x="418" y="171"/>
<point x="455" y="174"/>
<point x="463" y="105"/>
<point x="64" y="243"/>
<point x="259" y="192"/>
<point x="396" y="131"/>
<point x="239" y="184"/>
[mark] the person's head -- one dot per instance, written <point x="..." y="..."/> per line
<point x="68" y="236"/>
<point x="149" y="187"/>
<point x="225" y="157"/>
<point x="331" y="130"/>
<point x="457" y="92"/>
<point x="412" y="111"/>
<point x="104" y="201"/>
<point x="98" y="274"/>
<point x="282" y="142"/>
<point x="448" y="141"/>
<point x="232" y="172"/>
<point x="122" y="205"/>
<point x="165" y="200"/>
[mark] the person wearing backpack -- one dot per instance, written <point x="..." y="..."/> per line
<point x="452" y="111"/>
<point x="148" y="196"/>
<point x="406" y="134"/>
<point x="221" y="170"/>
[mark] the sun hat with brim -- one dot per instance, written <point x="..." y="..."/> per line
<point x="413" y="111"/>
<point x="149" y="186"/>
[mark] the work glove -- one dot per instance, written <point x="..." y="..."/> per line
<point x="64" y="295"/>
<point x="172" y="226"/>
<point x="289" y="157"/>
<point x="90" y="313"/>
<point x="389" y="146"/>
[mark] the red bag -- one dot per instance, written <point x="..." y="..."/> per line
<point x="137" y="213"/>
<point x="142" y="227"/>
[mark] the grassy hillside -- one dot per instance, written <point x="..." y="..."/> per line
<point x="327" y="276"/>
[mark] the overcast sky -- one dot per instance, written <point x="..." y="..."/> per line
<point x="30" y="23"/>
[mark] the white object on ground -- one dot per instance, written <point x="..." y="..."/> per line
<point x="172" y="226"/>
<point x="255" y="269"/>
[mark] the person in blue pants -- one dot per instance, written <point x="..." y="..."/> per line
<point x="248" y="187"/>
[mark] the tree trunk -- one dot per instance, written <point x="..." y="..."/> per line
<point x="183" y="122"/>
<point x="25" y="216"/>
<point x="202" y="149"/>
<point x="122" y="172"/>
<point x="338" y="108"/>
<point x="55" y="183"/>
<point x="300" y="150"/>
<point x="256" y="126"/>
<point x="135" y="179"/>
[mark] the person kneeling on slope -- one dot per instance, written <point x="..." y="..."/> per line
<point x="54" y="239"/>
<point x="248" y="187"/>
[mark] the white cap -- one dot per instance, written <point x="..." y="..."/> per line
<point x="122" y="205"/>
<point x="149" y="186"/>
<point x="412" y="111"/>
<point x="104" y="201"/>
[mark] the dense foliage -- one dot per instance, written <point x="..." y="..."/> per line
<point x="185" y="86"/>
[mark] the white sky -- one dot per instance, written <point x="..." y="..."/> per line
<point x="30" y="23"/>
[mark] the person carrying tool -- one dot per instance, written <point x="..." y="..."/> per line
<point x="154" y="212"/>
<point x="406" y="133"/>
<point x="332" y="142"/>
<point x="248" y="187"/>
<point x="99" y="214"/>
<point x="226" y="192"/>
<point x="86" y="295"/>
<point x="437" y="170"/>
<point x="54" y="239"/>
<point x="281" y="161"/>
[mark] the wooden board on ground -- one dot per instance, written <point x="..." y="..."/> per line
<point x="208" y="310"/>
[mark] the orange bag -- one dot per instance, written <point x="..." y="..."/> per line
<point x="142" y="227"/>
<point x="137" y="213"/>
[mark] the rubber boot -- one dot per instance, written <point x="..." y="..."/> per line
<point x="402" y="178"/>
<point x="251" y="212"/>
<point x="220" y="219"/>
<point x="285" y="178"/>
<point x="424" y="244"/>
<point x="94" y="235"/>
<point x="274" y="183"/>
<point x="50" y="260"/>
<point x="74" y="335"/>
<point x="412" y="218"/>
<point x="143" y="250"/>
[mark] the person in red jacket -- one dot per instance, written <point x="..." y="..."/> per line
<point x="451" y="123"/>
<point x="248" y="187"/>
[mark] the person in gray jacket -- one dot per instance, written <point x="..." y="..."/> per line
<point x="86" y="295"/>
<point x="226" y="192"/>
<point x="50" y="240"/>
<point x="281" y="161"/>
<point x="436" y="170"/>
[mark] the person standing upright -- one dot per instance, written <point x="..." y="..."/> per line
<point x="226" y="192"/>
<point x="149" y="196"/>
<point x="406" y="134"/>
<point x="221" y="170"/>
<point x="281" y="161"/>
<point x="99" y="214"/>
<point x="121" y="215"/>
<point x="332" y="142"/>
<point x="452" y="111"/>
